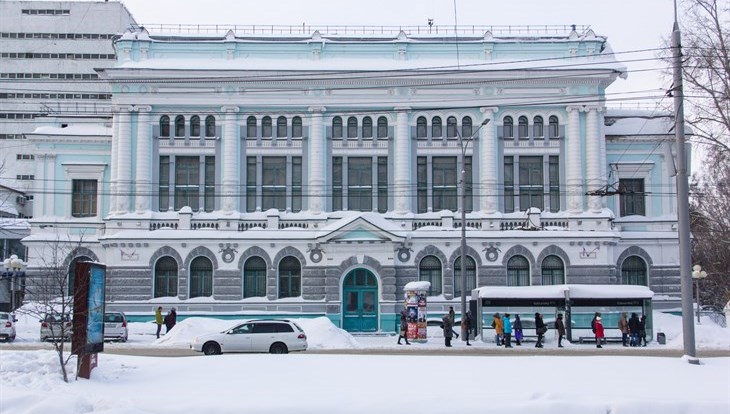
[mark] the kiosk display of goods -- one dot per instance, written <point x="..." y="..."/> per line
<point x="415" y="303"/>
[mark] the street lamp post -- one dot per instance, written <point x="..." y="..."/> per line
<point x="13" y="268"/>
<point x="698" y="274"/>
<point x="464" y="143"/>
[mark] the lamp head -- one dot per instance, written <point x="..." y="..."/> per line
<point x="486" y="121"/>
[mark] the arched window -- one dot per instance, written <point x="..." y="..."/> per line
<point x="281" y="127"/>
<point x="164" y="126"/>
<point x="251" y="127"/>
<point x="429" y="270"/>
<point x="518" y="271"/>
<point x="522" y="127"/>
<point x="290" y="278"/>
<point x="554" y="127"/>
<point x="210" y="126"/>
<point x="421" y="127"/>
<point x="195" y="126"/>
<point x="201" y="277"/>
<point x="179" y="126"/>
<point x="337" y="127"/>
<point x="165" y="277"/>
<point x="367" y="127"/>
<point x="553" y="272"/>
<point x="537" y="129"/>
<point x="266" y="128"/>
<point x="451" y="127"/>
<point x="254" y="278"/>
<point x="382" y="127"/>
<point x="466" y="129"/>
<point x="633" y="271"/>
<point x="352" y="127"/>
<point x="471" y="276"/>
<point x="508" y="127"/>
<point x="296" y="127"/>
<point x="436" y="130"/>
<point x="71" y="276"/>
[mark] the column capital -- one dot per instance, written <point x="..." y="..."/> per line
<point x="230" y="109"/>
<point x="317" y="109"/>
<point x="143" y="108"/>
<point x="576" y="108"/>
<point x="489" y="110"/>
<point x="597" y="108"/>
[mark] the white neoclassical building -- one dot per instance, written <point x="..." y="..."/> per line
<point x="315" y="173"/>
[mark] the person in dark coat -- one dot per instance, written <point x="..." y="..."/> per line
<point x="598" y="329"/>
<point x="466" y="326"/>
<point x="560" y="328"/>
<point x="452" y="316"/>
<point x="448" y="329"/>
<point x="623" y="326"/>
<point x="540" y="329"/>
<point x="634" y="329"/>
<point x="170" y="320"/>
<point x="642" y="330"/>
<point x="403" y="326"/>
<point x="517" y="328"/>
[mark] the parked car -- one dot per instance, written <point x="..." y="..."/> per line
<point x="276" y="336"/>
<point x="7" y="327"/>
<point x="115" y="327"/>
<point x="56" y="326"/>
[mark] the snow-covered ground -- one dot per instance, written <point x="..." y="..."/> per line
<point x="511" y="381"/>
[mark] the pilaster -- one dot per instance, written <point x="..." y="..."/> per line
<point x="402" y="152"/>
<point x="142" y="178"/>
<point x="488" y="152"/>
<point x="316" y="189"/>
<point x="124" y="166"/>
<point x="574" y="168"/>
<point x="230" y="158"/>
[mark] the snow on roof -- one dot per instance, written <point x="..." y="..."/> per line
<point x="637" y="122"/>
<point x="417" y="285"/>
<point x="74" y="129"/>
<point x="558" y="292"/>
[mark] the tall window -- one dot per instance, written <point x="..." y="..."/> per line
<point x="518" y="271"/>
<point x="266" y="127"/>
<point x="367" y="127"/>
<point x="201" y="277"/>
<point x="251" y="188"/>
<point x="165" y="277"/>
<point x="179" y="126"/>
<point x="382" y="127"/>
<point x="531" y="183"/>
<point x="273" y="187"/>
<point x="554" y="127"/>
<point x="509" y="184"/>
<point x="522" y="127"/>
<point x="360" y="184"/>
<point x="632" y="196"/>
<point x="352" y="127"/>
<point x="195" y="126"/>
<point x="421" y="127"/>
<point x="382" y="184"/>
<point x="444" y="183"/>
<point x="436" y="131"/>
<point x="290" y="278"/>
<point x="281" y="127"/>
<point x="210" y="126"/>
<point x="83" y="198"/>
<point x="251" y="127"/>
<point x="429" y="270"/>
<point x="553" y="272"/>
<point x="508" y="127"/>
<point x="187" y="182"/>
<point x="471" y="275"/>
<point x="422" y="184"/>
<point x="164" y="126"/>
<point x="554" y="166"/>
<point x="468" y="186"/>
<point x="164" y="186"/>
<point x="254" y="278"/>
<point x="209" y="195"/>
<point x="633" y="271"/>
<point x="451" y="127"/>
<point x="336" y="183"/>
<point x="337" y="127"/>
<point x="466" y="127"/>
<point x="296" y="127"/>
<point x="537" y="127"/>
<point x="296" y="184"/>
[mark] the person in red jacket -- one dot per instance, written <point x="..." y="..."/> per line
<point x="599" y="332"/>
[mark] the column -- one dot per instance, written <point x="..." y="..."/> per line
<point x="113" y="172"/>
<point x="315" y="189"/>
<point x="230" y="158"/>
<point x="124" y="164"/>
<point x="402" y="156"/>
<point x="142" y="176"/>
<point x="574" y="155"/>
<point x="602" y="152"/>
<point x="488" y="174"/>
<point x="593" y="163"/>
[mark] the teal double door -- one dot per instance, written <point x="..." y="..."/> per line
<point x="360" y="301"/>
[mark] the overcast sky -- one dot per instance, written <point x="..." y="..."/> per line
<point x="630" y="25"/>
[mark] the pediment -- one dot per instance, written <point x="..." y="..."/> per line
<point x="359" y="230"/>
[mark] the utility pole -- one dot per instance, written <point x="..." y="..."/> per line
<point x="685" y="258"/>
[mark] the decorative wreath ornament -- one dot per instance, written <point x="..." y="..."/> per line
<point x="228" y="252"/>
<point x="492" y="253"/>
<point x="404" y="254"/>
<point x="315" y="255"/>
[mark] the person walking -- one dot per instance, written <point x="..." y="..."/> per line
<point x="452" y="316"/>
<point x="170" y="320"/>
<point x="540" y="329"/>
<point x="642" y="330"/>
<point x="507" y="331"/>
<point x="517" y="328"/>
<point x="403" y="326"/>
<point x="498" y="329"/>
<point x="634" y="329"/>
<point x="158" y="320"/>
<point x="560" y="328"/>
<point x="598" y="329"/>
<point x="448" y="329"/>
<point x="466" y="326"/>
<point x="623" y="326"/>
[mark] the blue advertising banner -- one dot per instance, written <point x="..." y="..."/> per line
<point x="95" y="320"/>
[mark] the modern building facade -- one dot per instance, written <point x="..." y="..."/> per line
<point x="310" y="173"/>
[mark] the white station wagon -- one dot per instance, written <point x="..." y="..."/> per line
<point x="276" y="336"/>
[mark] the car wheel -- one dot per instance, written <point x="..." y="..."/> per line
<point x="278" y="348"/>
<point x="11" y="339"/>
<point x="211" y="348"/>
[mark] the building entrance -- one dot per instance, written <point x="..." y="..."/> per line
<point x="360" y="301"/>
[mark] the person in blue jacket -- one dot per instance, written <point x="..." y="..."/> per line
<point x="507" y="330"/>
